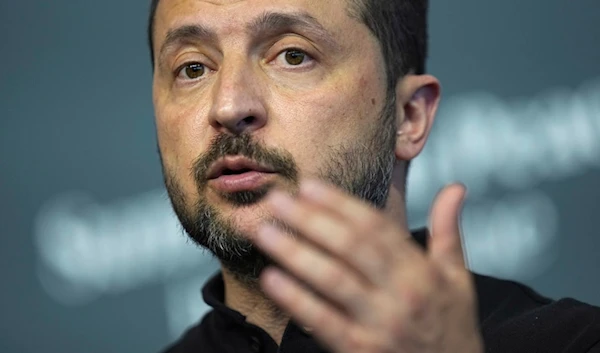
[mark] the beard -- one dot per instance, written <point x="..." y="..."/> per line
<point x="362" y="167"/>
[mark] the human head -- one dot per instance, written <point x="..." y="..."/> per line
<point x="332" y="115"/>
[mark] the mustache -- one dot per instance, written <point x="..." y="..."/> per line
<point x="279" y="160"/>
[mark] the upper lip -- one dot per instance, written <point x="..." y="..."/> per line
<point x="235" y="163"/>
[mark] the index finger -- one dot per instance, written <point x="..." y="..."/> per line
<point x="358" y="213"/>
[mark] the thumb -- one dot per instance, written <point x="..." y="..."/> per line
<point x="445" y="245"/>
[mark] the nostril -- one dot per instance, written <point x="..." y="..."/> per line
<point x="244" y="124"/>
<point x="239" y="126"/>
<point x="249" y="120"/>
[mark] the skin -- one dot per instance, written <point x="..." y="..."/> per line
<point x="401" y="300"/>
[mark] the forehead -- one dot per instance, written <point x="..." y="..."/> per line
<point x="229" y="15"/>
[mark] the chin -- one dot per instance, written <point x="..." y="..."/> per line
<point x="245" y="209"/>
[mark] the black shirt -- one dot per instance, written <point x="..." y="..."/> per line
<point x="513" y="318"/>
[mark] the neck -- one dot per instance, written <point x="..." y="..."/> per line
<point x="395" y="208"/>
<point x="251" y="302"/>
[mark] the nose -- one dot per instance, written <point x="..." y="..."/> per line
<point x="237" y="104"/>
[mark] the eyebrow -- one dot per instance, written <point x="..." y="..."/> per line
<point x="185" y="35"/>
<point x="274" y="23"/>
<point x="268" y="24"/>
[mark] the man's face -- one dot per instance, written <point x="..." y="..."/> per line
<point x="254" y="94"/>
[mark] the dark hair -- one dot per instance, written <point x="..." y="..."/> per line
<point x="399" y="25"/>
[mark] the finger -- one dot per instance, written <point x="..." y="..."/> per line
<point x="445" y="243"/>
<point x="328" y="324"/>
<point x="363" y="251"/>
<point x="334" y="199"/>
<point x="357" y="213"/>
<point x="321" y="272"/>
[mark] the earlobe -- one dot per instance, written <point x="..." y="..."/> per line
<point x="417" y="102"/>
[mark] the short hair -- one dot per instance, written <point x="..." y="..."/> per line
<point x="400" y="26"/>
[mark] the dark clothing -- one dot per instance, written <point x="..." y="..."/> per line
<point x="513" y="319"/>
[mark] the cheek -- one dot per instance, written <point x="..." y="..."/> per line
<point x="180" y="137"/>
<point x="332" y="115"/>
<point x="314" y="123"/>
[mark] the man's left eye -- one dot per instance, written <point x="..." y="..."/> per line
<point x="295" y="57"/>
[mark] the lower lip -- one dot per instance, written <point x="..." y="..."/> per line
<point x="248" y="181"/>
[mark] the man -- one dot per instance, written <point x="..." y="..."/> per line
<point x="285" y="129"/>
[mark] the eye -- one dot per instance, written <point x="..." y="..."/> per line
<point x="295" y="57"/>
<point x="191" y="71"/>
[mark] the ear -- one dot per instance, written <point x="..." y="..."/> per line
<point x="417" y="99"/>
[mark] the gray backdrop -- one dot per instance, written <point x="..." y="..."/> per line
<point x="91" y="258"/>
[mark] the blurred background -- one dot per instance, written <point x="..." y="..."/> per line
<point x="91" y="256"/>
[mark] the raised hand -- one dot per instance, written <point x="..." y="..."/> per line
<point x="358" y="280"/>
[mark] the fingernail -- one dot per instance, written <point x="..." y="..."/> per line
<point x="460" y="184"/>
<point x="271" y="277"/>
<point x="280" y="199"/>
<point x="311" y="188"/>
<point x="268" y="235"/>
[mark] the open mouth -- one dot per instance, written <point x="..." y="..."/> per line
<point x="236" y="166"/>
<point x="237" y="172"/>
